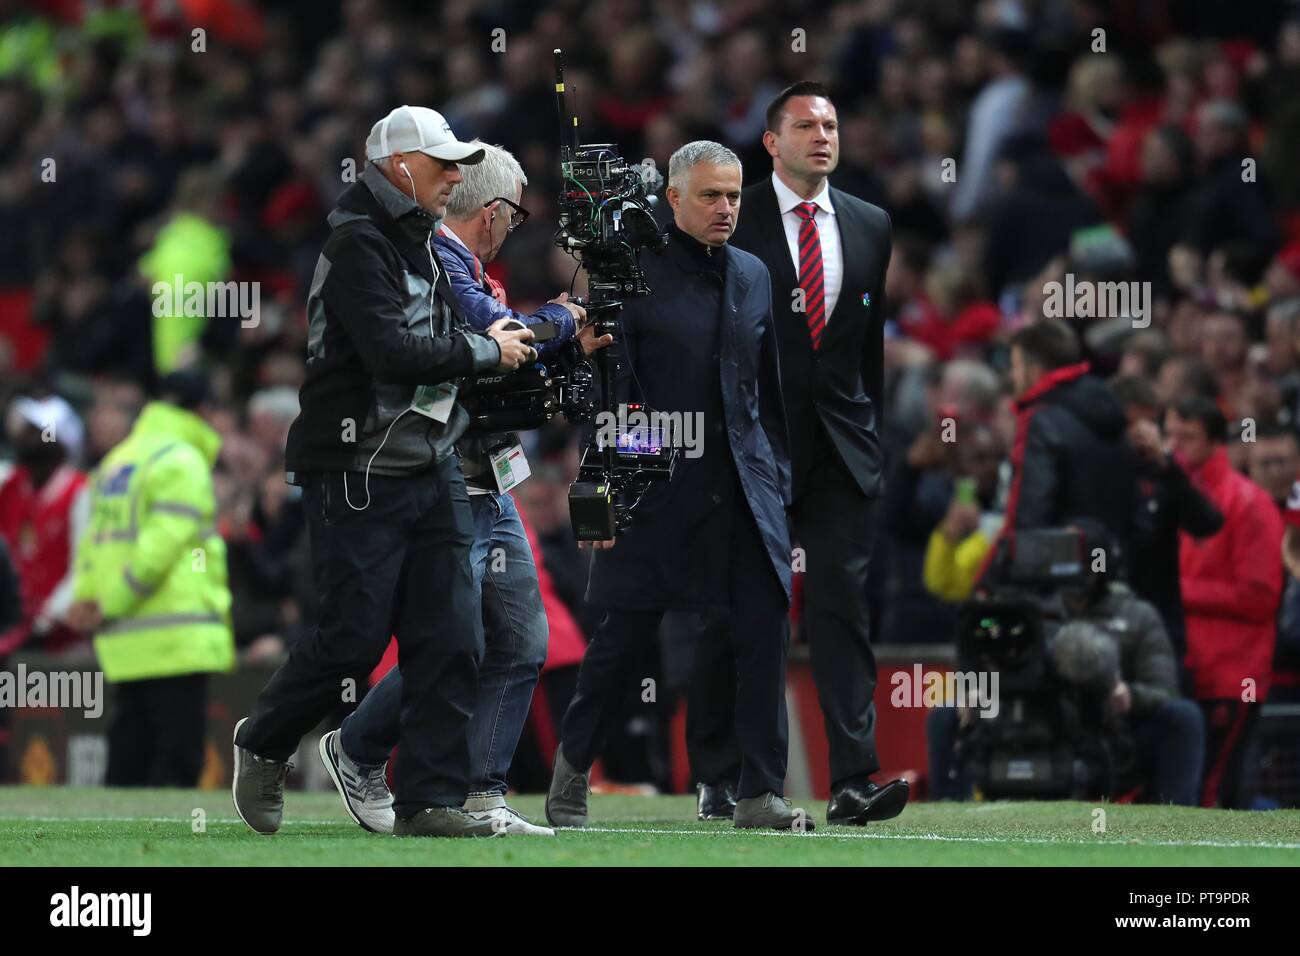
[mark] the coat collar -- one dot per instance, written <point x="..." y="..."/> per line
<point x="410" y="232"/>
<point x="1049" y="381"/>
<point x="450" y="244"/>
<point x="1211" y="472"/>
<point x="696" y="255"/>
<point x="692" y="256"/>
<point x="396" y="203"/>
<point x="695" y="262"/>
<point x="160" y="418"/>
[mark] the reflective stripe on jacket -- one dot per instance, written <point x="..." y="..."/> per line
<point x="151" y="555"/>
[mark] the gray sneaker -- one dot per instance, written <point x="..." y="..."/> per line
<point x="363" y="787"/>
<point x="258" y="788"/>
<point x="445" y="822"/>
<point x="503" y="818"/>
<point x="566" y="803"/>
<point x="770" y="812"/>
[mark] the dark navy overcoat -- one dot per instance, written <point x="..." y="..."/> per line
<point x="700" y="345"/>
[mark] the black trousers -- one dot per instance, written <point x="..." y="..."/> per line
<point x="158" y="732"/>
<point x="833" y="522"/>
<point x="757" y="634"/>
<point x="711" y="704"/>
<point x="400" y="566"/>
<point x="1229" y="729"/>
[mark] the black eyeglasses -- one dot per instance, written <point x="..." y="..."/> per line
<point x="518" y="214"/>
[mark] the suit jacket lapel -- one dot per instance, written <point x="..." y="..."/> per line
<point x="853" y="278"/>
<point x="768" y="216"/>
<point x="779" y="261"/>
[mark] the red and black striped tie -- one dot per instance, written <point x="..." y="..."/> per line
<point x="811" y="279"/>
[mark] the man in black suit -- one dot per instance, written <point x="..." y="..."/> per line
<point x="714" y="538"/>
<point x="827" y="253"/>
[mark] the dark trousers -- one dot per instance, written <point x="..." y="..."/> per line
<point x="400" y="566"/>
<point x="1229" y="727"/>
<point x="711" y="704"/>
<point x="834" y="524"/>
<point x="1171" y="751"/>
<point x="158" y="731"/>
<point x="947" y="782"/>
<point x="758" y="635"/>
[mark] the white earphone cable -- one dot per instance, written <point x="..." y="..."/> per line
<point x="432" y="304"/>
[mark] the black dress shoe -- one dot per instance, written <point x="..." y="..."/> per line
<point x="717" y="801"/>
<point x="861" y="801"/>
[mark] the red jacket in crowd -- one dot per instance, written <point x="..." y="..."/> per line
<point x="973" y="325"/>
<point x="1232" y="585"/>
<point x="40" y="528"/>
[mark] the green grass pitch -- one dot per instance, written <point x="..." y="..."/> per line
<point x="83" y="827"/>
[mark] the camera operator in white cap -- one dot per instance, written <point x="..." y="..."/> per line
<point x="374" y="449"/>
<point x="417" y="152"/>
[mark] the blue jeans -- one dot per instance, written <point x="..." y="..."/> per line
<point x="515" y="633"/>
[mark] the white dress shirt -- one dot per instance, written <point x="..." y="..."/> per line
<point x="828" y="232"/>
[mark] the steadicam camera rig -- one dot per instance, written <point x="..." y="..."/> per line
<point x="605" y="221"/>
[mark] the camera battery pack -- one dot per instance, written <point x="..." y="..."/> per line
<point x="591" y="510"/>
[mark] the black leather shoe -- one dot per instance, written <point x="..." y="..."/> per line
<point x="717" y="801"/>
<point x="861" y="801"/>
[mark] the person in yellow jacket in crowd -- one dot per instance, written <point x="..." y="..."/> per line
<point x="150" y="582"/>
<point x="958" y="545"/>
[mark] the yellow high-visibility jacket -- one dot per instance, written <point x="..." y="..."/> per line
<point x="151" y="555"/>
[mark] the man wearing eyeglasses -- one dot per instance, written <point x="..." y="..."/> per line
<point x="482" y="211"/>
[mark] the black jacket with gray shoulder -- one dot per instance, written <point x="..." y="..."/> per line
<point x="1146" y="655"/>
<point x="382" y="320"/>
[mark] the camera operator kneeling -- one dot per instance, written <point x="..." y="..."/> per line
<point x="1110" y="644"/>
<point x="1168" y="731"/>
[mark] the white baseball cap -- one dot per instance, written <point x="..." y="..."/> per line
<point x="55" y="414"/>
<point x="410" y="128"/>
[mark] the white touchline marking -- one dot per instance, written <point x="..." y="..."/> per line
<point x="301" y="823"/>
<point x="1222" y="844"/>
<point x="725" y="831"/>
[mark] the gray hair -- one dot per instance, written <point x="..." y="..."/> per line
<point x="691" y="155"/>
<point x="1084" y="655"/>
<point x="498" y="176"/>
<point x="978" y="386"/>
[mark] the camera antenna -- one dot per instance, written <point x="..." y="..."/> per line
<point x="568" y="121"/>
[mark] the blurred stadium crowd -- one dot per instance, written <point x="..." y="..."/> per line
<point x="1116" y="162"/>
